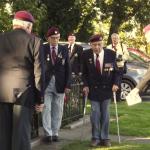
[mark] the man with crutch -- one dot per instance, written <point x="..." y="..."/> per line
<point x="101" y="78"/>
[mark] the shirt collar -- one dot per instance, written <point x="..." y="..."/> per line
<point x="100" y="54"/>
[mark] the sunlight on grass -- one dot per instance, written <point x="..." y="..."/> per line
<point x="88" y="106"/>
<point x="115" y="146"/>
<point x="133" y="120"/>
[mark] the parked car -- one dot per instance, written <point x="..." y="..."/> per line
<point x="135" y="72"/>
<point x="136" y="68"/>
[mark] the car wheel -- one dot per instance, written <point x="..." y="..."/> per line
<point x="126" y="87"/>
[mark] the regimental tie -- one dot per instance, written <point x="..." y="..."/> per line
<point x="98" y="69"/>
<point x="54" y="55"/>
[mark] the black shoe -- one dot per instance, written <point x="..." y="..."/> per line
<point x="105" y="143"/>
<point x="47" y="140"/>
<point x="55" y="138"/>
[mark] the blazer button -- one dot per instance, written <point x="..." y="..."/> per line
<point x="95" y="87"/>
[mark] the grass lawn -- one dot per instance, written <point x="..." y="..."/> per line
<point x="133" y="121"/>
<point x="124" y="146"/>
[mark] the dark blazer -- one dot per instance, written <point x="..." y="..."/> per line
<point x="61" y="70"/>
<point x="75" y="58"/>
<point x="100" y="85"/>
<point x="21" y="79"/>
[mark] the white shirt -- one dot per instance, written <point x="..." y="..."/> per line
<point x="121" y="50"/>
<point x="72" y="45"/>
<point x="101" y="59"/>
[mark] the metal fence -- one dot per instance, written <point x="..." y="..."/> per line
<point x="73" y="103"/>
<point x="73" y="107"/>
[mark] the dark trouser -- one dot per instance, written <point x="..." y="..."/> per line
<point x="15" y="127"/>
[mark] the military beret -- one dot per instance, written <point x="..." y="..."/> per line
<point x="71" y="34"/>
<point x="96" y="38"/>
<point x="24" y="15"/>
<point x="146" y="28"/>
<point x="52" y="31"/>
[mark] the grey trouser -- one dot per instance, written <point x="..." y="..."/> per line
<point x="53" y="110"/>
<point x="15" y="127"/>
<point x="100" y="119"/>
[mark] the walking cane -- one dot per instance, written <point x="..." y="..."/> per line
<point x="84" y="111"/>
<point x="114" y="95"/>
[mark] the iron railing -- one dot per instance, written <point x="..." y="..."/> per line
<point x="73" y="104"/>
<point x="73" y="107"/>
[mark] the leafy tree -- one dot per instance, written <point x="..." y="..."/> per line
<point x="122" y="11"/>
<point x="9" y="7"/>
<point x="5" y="21"/>
<point x="70" y="16"/>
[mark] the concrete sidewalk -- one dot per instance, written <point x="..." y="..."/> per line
<point x="78" y="131"/>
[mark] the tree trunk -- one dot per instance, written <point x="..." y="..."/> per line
<point x="115" y="25"/>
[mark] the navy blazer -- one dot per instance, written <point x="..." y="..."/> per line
<point x="75" y="58"/>
<point x="100" y="84"/>
<point x="61" y="70"/>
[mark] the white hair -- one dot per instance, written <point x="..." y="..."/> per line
<point x="114" y="35"/>
<point x="24" y="24"/>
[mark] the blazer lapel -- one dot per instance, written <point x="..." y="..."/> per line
<point x="48" y="53"/>
<point x="59" y="54"/>
<point x="91" y="59"/>
<point x="105" y="60"/>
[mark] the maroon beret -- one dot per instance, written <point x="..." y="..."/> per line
<point x="52" y="31"/>
<point x="146" y="28"/>
<point x="96" y="38"/>
<point x="24" y="15"/>
<point x="71" y="34"/>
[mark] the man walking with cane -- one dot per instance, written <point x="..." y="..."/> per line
<point x="101" y="77"/>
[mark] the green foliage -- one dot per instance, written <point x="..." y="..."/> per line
<point x="37" y="8"/>
<point x="84" y="17"/>
<point x="5" y="23"/>
<point x="128" y="12"/>
<point x="70" y="16"/>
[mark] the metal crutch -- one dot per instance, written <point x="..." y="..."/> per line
<point x="114" y="95"/>
<point x="84" y="111"/>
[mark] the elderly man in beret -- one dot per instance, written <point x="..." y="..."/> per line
<point x="57" y="76"/>
<point x="135" y="92"/>
<point x="21" y="82"/>
<point x="75" y="53"/>
<point x="101" y="77"/>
